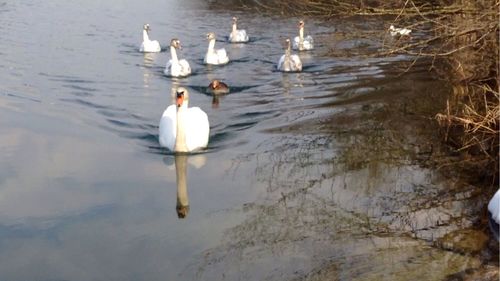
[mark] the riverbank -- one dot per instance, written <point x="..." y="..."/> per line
<point x="463" y="45"/>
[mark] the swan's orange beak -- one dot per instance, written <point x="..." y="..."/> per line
<point x="180" y="99"/>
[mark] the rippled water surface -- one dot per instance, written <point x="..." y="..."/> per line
<point x="319" y="175"/>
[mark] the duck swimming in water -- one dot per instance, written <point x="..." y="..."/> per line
<point x="217" y="87"/>
<point x="148" y="46"/>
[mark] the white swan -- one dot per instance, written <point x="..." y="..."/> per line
<point x="494" y="213"/>
<point x="148" y="46"/>
<point x="215" y="56"/>
<point x="237" y="35"/>
<point x="183" y="129"/>
<point x="302" y="43"/>
<point x="289" y="62"/>
<point x="399" y="31"/>
<point x="176" y="67"/>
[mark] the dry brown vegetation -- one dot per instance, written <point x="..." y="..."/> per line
<point x="464" y="49"/>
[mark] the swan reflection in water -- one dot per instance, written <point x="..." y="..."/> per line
<point x="181" y="161"/>
<point x="287" y="85"/>
<point x="182" y="206"/>
<point x="147" y="67"/>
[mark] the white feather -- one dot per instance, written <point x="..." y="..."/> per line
<point x="494" y="207"/>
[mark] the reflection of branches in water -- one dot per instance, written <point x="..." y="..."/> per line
<point x="298" y="216"/>
<point x="357" y="176"/>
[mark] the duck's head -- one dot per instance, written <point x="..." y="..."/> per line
<point x="215" y="84"/>
<point x="181" y="97"/>
<point x="301" y="24"/>
<point x="146" y="27"/>
<point x="210" y="36"/>
<point x="176" y="43"/>
<point x="235" y="19"/>
<point x="391" y="27"/>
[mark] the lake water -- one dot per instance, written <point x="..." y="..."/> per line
<point x="321" y="175"/>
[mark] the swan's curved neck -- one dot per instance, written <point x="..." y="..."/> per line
<point x="173" y="53"/>
<point x="301" y="33"/>
<point x="211" y="45"/>
<point x="180" y="172"/>
<point x="287" y="61"/>
<point x="180" y="138"/>
<point x="145" y="36"/>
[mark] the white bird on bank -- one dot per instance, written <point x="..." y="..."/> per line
<point x="399" y="31"/>
<point x="302" y="43"/>
<point x="183" y="129"/>
<point x="176" y="67"/>
<point x="494" y="214"/>
<point x="148" y="46"/>
<point x="237" y="35"/>
<point x="289" y="62"/>
<point x="215" y="56"/>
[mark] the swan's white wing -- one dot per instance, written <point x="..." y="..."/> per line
<point x="296" y="63"/>
<point x="167" y="128"/>
<point x="150" y="46"/>
<point x="494" y="207"/>
<point x="186" y="68"/>
<point x="168" y="66"/>
<point x="197" y="129"/>
<point x="177" y="69"/>
<point x="239" y="36"/>
<point x="155" y="46"/>
<point x="281" y="62"/>
<point x="243" y="37"/>
<point x="308" y="43"/>
<point x="222" y="56"/>
<point x="296" y="42"/>
<point x="211" y="58"/>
